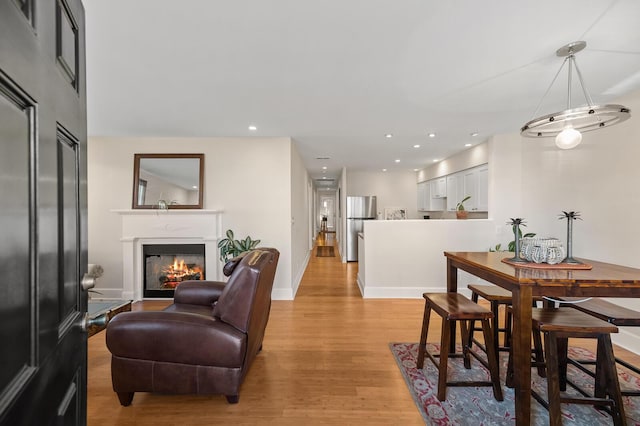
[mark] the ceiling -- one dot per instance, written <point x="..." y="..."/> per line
<point x="337" y="76"/>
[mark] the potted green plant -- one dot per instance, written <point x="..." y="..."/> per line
<point x="461" y="213"/>
<point x="230" y="248"/>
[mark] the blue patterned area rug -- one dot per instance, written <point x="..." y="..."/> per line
<point x="476" y="405"/>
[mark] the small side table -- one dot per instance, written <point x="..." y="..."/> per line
<point x="109" y="308"/>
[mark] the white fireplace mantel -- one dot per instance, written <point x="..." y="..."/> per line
<point x="141" y="227"/>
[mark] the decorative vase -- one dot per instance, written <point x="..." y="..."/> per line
<point x="570" y="216"/>
<point x="515" y="223"/>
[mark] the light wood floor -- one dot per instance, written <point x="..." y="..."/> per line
<point x="325" y="361"/>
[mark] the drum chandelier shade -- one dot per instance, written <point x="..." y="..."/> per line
<point x="567" y="125"/>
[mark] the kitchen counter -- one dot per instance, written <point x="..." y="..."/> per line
<point x="404" y="258"/>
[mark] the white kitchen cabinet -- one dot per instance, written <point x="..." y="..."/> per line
<point x="455" y="190"/>
<point x="425" y="200"/>
<point x="424" y="196"/>
<point x="438" y="187"/>
<point x="473" y="182"/>
<point x="470" y="188"/>
<point x="446" y="192"/>
<point x="437" y="204"/>
<point x="483" y="188"/>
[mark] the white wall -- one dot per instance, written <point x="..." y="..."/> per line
<point x="342" y="221"/>
<point x="472" y="157"/>
<point x="250" y="179"/>
<point x="392" y="189"/>
<point x="300" y="224"/>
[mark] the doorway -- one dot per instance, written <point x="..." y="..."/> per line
<point x="327" y="213"/>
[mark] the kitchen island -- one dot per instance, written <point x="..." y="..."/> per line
<point x="404" y="258"/>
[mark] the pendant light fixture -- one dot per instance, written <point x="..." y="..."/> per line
<point x="567" y="125"/>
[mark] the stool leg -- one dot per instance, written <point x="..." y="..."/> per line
<point x="509" y="379"/>
<point x="465" y="332"/>
<point x="507" y="326"/>
<point x="563" y="347"/>
<point x="492" y="360"/>
<point x="495" y="325"/>
<point x="553" y="384"/>
<point x="538" y="353"/>
<point x="444" y="358"/>
<point x="452" y="336"/>
<point x="472" y="323"/>
<point x="605" y="352"/>
<point x="422" y="347"/>
<point x="601" y="385"/>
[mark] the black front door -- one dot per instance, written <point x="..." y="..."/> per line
<point x="43" y="241"/>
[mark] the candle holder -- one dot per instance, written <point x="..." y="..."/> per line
<point x="570" y="216"/>
<point x="517" y="233"/>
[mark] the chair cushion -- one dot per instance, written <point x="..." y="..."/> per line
<point x="177" y="337"/>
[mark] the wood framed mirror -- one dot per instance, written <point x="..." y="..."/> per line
<point x="168" y="181"/>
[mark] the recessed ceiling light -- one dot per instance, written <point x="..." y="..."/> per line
<point x="384" y="170"/>
<point x="388" y="135"/>
<point x="467" y="144"/>
<point x="435" y="160"/>
<point x="416" y="146"/>
<point x="415" y="170"/>
<point x="474" y="134"/>
<point x="432" y="135"/>
<point x="194" y="187"/>
<point x="397" y="160"/>
<point x="324" y="167"/>
<point x="253" y="128"/>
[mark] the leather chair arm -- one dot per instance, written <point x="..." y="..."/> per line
<point x="198" y="292"/>
<point x="176" y="337"/>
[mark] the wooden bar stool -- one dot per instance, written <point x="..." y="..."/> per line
<point x="497" y="296"/>
<point x="454" y="307"/>
<point x="558" y="325"/>
<point x="613" y="314"/>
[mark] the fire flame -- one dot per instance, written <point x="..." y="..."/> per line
<point x="178" y="272"/>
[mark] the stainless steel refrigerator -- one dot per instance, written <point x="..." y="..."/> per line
<point x="359" y="209"/>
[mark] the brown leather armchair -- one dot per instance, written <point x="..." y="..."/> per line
<point x="204" y="343"/>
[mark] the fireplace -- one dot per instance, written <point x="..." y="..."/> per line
<point x="167" y="265"/>
<point x="170" y="227"/>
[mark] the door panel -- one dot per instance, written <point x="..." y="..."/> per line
<point x="42" y="213"/>
<point x="68" y="229"/>
<point x="16" y="304"/>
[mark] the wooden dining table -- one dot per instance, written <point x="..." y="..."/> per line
<point x="525" y="282"/>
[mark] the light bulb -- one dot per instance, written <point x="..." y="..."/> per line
<point x="568" y="138"/>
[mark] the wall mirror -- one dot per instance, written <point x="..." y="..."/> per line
<point x="168" y="181"/>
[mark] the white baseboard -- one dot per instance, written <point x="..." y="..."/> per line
<point x="298" y="279"/>
<point x="397" y="292"/>
<point x="282" y="294"/>
<point x="111" y="294"/>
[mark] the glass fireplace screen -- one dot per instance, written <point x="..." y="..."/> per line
<point x="167" y="265"/>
